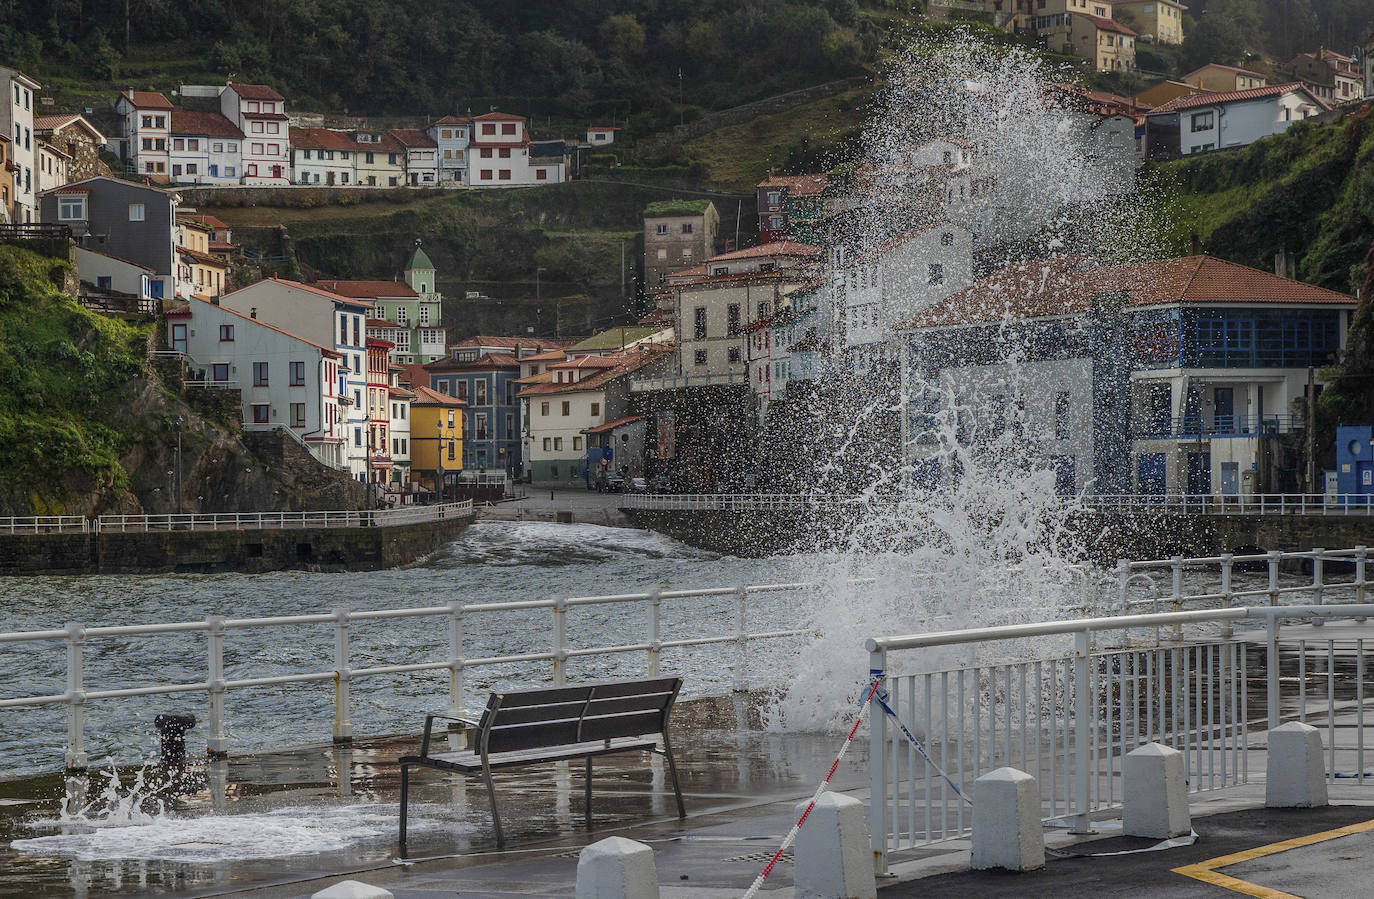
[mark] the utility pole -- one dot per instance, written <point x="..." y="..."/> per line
<point x="180" y="422"/>
<point x="622" y="269"/>
<point x="1311" y="430"/>
<point x="439" y="457"/>
<point x="681" y="118"/>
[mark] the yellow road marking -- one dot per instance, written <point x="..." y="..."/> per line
<point x="1207" y="871"/>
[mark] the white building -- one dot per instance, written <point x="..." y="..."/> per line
<point x="206" y="148"/>
<point x="879" y="288"/>
<point x="330" y="320"/>
<point x="1215" y="121"/>
<point x="601" y="135"/>
<point x="399" y="401"/>
<point x="106" y="272"/>
<point x="499" y="154"/>
<point x="451" y="135"/>
<point x="52" y="166"/>
<point x="145" y="133"/>
<point x="323" y="156"/>
<point x="260" y="114"/>
<point x="422" y="156"/>
<point x="287" y="382"/>
<point x="17" y="120"/>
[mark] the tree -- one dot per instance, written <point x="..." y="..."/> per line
<point x="622" y="37"/>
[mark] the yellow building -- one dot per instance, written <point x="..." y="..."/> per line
<point x="198" y="272"/>
<point x="1165" y="91"/>
<point x="1217" y="77"/>
<point x="1161" y="18"/>
<point x="436" y="437"/>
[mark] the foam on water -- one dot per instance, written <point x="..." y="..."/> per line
<point x="279" y="833"/>
<point x="542" y="543"/>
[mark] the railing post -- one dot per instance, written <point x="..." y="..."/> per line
<point x="1228" y="561"/>
<point x="1082" y="720"/>
<point x="1318" y="571"/>
<point x="1271" y="675"/>
<point x="1123" y="581"/>
<point x="343" y="728"/>
<point x="1274" y="556"/>
<point x="560" y="641"/>
<point x="1176" y="595"/>
<point x="75" y="757"/>
<point x="456" y="686"/>
<point x="655" y="629"/>
<point x="217" y="744"/>
<point x="877" y="762"/>
<point x="1361" y="554"/>
<point x="741" y="640"/>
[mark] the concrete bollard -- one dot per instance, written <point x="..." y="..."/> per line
<point x="834" y="859"/>
<point x="1154" y="793"/>
<point x="1006" y="822"/>
<point x="617" y="868"/>
<point x="353" y="889"/>
<point x="1295" y="774"/>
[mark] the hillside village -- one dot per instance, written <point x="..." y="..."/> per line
<point x="738" y="348"/>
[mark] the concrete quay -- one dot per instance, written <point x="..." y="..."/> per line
<point x="741" y="784"/>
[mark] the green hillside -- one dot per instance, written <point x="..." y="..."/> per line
<point x="1309" y="192"/>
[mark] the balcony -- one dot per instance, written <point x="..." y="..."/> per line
<point x="1197" y="427"/>
<point x="682" y="382"/>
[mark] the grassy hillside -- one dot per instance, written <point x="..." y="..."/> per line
<point x="1309" y="191"/>
<point x="63" y="373"/>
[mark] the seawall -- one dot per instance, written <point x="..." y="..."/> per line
<point x="203" y="551"/>
<point x="1110" y="536"/>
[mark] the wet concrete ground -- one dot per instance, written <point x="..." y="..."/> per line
<point x="285" y="825"/>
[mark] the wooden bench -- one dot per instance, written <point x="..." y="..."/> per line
<point x="529" y="727"/>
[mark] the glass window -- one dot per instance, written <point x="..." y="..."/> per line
<point x="298" y="415"/>
<point x="71" y="209"/>
<point x="297" y="374"/>
<point x="261" y="413"/>
<point x="226" y="332"/>
<point x="259" y="374"/>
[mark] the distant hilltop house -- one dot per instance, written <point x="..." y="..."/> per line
<point x="678" y="234"/>
<point x="1224" y="119"/>
<point x="601" y="135"/>
<point x="1077" y="27"/>
<point x="1333" y="77"/>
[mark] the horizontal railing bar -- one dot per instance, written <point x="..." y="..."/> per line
<point x="608" y="650"/>
<point x="50" y="699"/>
<point x="307" y="677"/>
<point x="398" y="669"/>
<point x="146" y="691"/>
<point x="403" y="613"/>
<point x="504" y="660"/>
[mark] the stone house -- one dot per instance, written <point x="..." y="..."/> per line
<point x="678" y="234"/>
<point x="77" y="139"/>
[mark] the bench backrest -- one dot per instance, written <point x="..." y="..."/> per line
<point x="558" y="716"/>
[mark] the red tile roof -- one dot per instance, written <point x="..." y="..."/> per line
<point x="202" y="258"/>
<point x="275" y="116"/>
<point x="776" y="248"/>
<point x="310" y="288"/>
<point x="1107" y="24"/>
<point x="424" y="396"/>
<point x="212" y="124"/>
<point x="414" y="374"/>
<point x="632" y="360"/>
<point x="1212" y="98"/>
<point x="544" y="356"/>
<point x="320" y="139"/>
<point x="1064" y="285"/>
<point x="798" y="185"/>
<point x="255" y="92"/>
<point x="612" y="425"/>
<point x="412" y="137"/>
<point x="58" y="122"/>
<point x="370" y="290"/>
<point x="587" y="362"/>
<point x="147" y="100"/>
<point x="454" y="120"/>
<point x="382" y="323"/>
<point x="540" y="343"/>
<point x="498" y="117"/>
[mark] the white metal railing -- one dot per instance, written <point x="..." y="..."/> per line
<point x="236" y="521"/>
<point x="1193" y="504"/>
<point x="44" y="524"/>
<point x="457" y="617"/>
<point x="733" y="502"/>
<point x="1069" y="717"/>
<point x="1246" y="504"/>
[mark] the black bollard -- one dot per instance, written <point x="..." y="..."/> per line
<point x="171" y="730"/>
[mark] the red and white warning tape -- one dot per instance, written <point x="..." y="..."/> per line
<point x="792" y="834"/>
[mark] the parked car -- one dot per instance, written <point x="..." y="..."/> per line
<point x="615" y="483"/>
<point x="637" y="485"/>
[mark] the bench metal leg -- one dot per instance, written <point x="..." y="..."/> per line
<point x="672" y="770"/>
<point x="495" y="814"/>
<point x="589" y="792"/>
<point x="405" y="795"/>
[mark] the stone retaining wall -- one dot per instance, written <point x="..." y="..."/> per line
<point x="311" y="549"/>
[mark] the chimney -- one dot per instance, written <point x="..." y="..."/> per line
<point x="1196" y="244"/>
<point x="253" y="313"/>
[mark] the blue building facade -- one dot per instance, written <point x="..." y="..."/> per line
<point x="491" y="421"/>
<point x="1355" y="461"/>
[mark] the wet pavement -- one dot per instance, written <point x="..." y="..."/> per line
<point x="286" y="825"/>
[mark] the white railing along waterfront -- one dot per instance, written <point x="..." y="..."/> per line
<point x="1192" y="504"/>
<point x="1069" y="717"/>
<point x="333" y="649"/>
<point x="44" y="524"/>
<point x="236" y="521"/>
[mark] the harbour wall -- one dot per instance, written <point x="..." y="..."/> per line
<point x="204" y="551"/>
<point x="1111" y="536"/>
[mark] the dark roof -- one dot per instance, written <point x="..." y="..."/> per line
<point x="211" y="124"/>
<point x="255" y="92"/>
